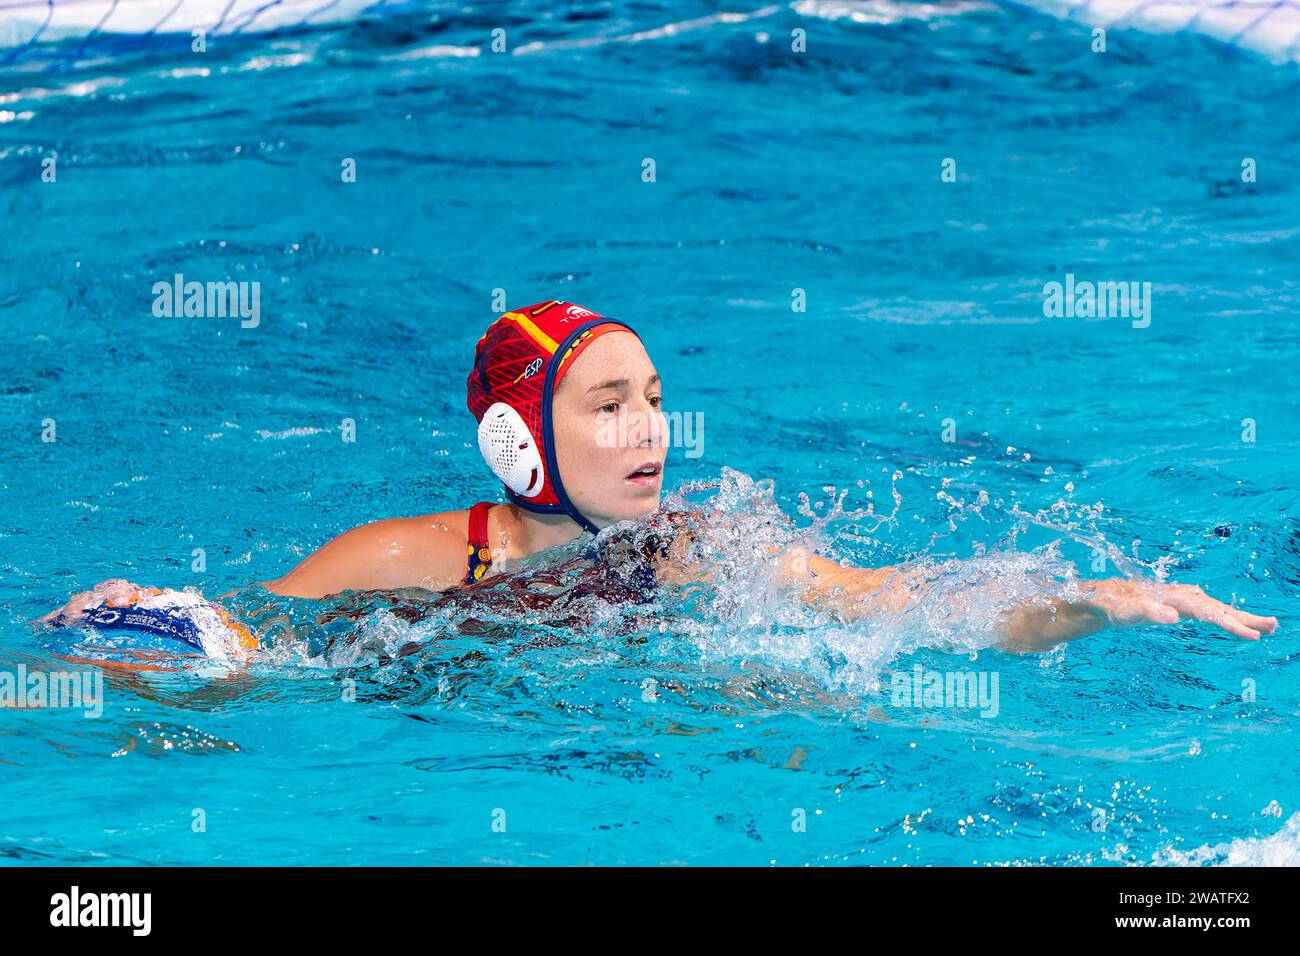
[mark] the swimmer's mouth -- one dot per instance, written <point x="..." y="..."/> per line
<point x="647" y="474"/>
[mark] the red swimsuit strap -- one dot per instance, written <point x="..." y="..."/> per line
<point x="480" y="554"/>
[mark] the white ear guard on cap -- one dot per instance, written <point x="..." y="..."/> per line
<point x="510" y="451"/>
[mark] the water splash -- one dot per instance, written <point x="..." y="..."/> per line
<point x="1280" y="849"/>
<point x="597" y="596"/>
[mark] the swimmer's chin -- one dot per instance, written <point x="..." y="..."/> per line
<point x="632" y="511"/>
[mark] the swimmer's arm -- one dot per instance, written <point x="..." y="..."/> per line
<point x="846" y="592"/>
<point x="1037" y="625"/>
<point x="1123" y="602"/>
<point x="330" y="569"/>
<point x="850" y="593"/>
<point x="309" y="583"/>
<point x="390" y="554"/>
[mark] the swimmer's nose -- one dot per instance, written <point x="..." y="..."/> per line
<point x="656" y="434"/>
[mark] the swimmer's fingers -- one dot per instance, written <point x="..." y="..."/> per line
<point x="1138" y="610"/>
<point x="116" y="592"/>
<point x="45" y="620"/>
<point x="1261" y="623"/>
<point x="1126" y="602"/>
<point x="70" y="613"/>
<point x="1134" y="602"/>
<point x="1161" y="613"/>
<point x="1191" y="601"/>
<point x="119" y="592"/>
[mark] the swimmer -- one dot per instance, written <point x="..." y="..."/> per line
<point x="553" y="387"/>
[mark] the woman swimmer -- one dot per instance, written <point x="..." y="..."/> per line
<point x="554" y="387"/>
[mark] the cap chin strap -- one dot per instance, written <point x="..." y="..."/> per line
<point x="572" y="512"/>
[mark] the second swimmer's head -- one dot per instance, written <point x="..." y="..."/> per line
<point x="569" y="411"/>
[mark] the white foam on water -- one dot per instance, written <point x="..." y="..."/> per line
<point x="290" y="432"/>
<point x="1268" y="27"/>
<point x="885" y="11"/>
<point x="1280" y="849"/>
<point x="21" y="22"/>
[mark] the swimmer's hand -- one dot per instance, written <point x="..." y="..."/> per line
<point x="1122" y="602"/>
<point x="115" y="592"/>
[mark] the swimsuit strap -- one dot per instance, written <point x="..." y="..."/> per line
<point x="480" y="555"/>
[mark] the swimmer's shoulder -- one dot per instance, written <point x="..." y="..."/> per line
<point x="426" y="551"/>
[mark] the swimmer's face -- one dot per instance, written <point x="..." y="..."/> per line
<point x="608" y="423"/>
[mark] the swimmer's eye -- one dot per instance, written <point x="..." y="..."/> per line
<point x="656" y="402"/>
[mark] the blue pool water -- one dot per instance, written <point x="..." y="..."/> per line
<point x="697" y="731"/>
